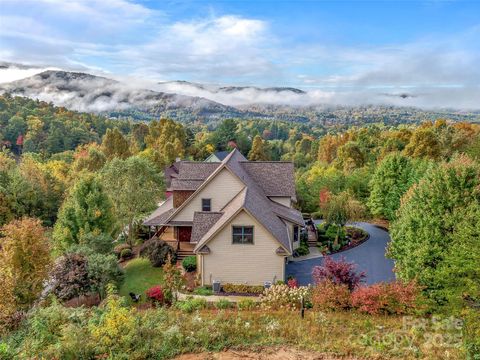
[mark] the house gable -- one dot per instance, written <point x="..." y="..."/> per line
<point x="243" y="263"/>
<point x="222" y="188"/>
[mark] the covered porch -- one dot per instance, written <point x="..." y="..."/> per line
<point x="178" y="237"/>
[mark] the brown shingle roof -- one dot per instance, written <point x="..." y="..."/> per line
<point x="276" y="178"/>
<point x="159" y="216"/>
<point x="185" y="184"/>
<point x="256" y="202"/>
<point x="202" y="222"/>
<point x="290" y="214"/>
<point x="192" y="170"/>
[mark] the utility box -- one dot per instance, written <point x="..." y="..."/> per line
<point x="216" y="286"/>
<point x="267" y="284"/>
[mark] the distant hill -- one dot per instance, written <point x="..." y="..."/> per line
<point x="204" y="103"/>
<point x="90" y="93"/>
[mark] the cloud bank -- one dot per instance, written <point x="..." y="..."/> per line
<point x="131" y="42"/>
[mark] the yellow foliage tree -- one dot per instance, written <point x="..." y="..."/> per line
<point x="24" y="263"/>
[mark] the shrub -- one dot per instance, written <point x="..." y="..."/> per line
<point x="190" y="263"/>
<point x="70" y="277"/>
<point x="205" y="291"/>
<point x="119" y="248"/>
<point x="191" y="304"/>
<point x="386" y="298"/>
<point x="155" y="294"/>
<point x="126" y="254"/>
<point x="243" y="289"/>
<point x="157" y="251"/>
<point x="115" y="328"/>
<point x="224" y="304"/>
<point x="283" y="297"/>
<point x="327" y="295"/>
<point x="303" y="249"/>
<point x="293" y="283"/>
<point x="173" y="279"/>
<point x="356" y="233"/>
<point x="339" y="272"/>
<point x="331" y="232"/>
<point x="247" y="304"/>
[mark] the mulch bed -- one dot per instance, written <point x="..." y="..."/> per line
<point x="353" y="243"/>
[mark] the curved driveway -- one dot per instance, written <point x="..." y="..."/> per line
<point x="369" y="257"/>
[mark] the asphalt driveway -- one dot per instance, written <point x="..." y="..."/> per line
<point x="369" y="257"/>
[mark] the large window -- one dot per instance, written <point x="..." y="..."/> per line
<point x="242" y="234"/>
<point x="206" y="204"/>
<point x="295" y="233"/>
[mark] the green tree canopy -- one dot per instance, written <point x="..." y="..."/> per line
<point x="431" y="225"/>
<point x="392" y="178"/>
<point x="135" y="188"/>
<point x="87" y="209"/>
<point x="114" y="144"/>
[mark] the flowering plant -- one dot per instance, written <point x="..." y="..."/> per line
<point x="155" y="294"/>
<point x="284" y="297"/>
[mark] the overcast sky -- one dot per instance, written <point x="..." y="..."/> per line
<point x="429" y="48"/>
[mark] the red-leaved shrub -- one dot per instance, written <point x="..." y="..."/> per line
<point x="327" y="295"/>
<point x="386" y="298"/>
<point x="293" y="283"/>
<point x="155" y="294"/>
<point x="338" y="272"/>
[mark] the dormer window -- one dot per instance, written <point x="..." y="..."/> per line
<point x="206" y="204"/>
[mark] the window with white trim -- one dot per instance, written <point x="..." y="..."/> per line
<point x="242" y="234"/>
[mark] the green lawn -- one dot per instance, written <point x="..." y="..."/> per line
<point x="140" y="275"/>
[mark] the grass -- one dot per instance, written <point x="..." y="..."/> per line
<point x="140" y="275"/>
<point x="163" y="333"/>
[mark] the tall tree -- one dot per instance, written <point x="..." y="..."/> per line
<point x="423" y="143"/>
<point x="342" y="208"/>
<point x="259" y="151"/>
<point x="391" y="179"/>
<point x="429" y="222"/>
<point x="135" y="188"/>
<point x="166" y="139"/>
<point x="115" y="145"/>
<point x="24" y="261"/>
<point x="87" y="209"/>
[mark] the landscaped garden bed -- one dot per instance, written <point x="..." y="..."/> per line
<point x="348" y="237"/>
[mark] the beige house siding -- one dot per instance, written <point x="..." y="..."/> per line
<point x="283" y="200"/>
<point x="221" y="189"/>
<point x="242" y="264"/>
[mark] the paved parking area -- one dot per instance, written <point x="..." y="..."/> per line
<point x="369" y="257"/>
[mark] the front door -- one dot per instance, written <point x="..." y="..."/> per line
<point x="184" y="233"/>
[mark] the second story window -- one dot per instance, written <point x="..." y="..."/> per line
<point x="206" y="204"/>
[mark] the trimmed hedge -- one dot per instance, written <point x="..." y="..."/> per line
<point x="243" y="289"/>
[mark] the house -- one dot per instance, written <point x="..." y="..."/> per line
<point x="236" y="216"/>
<point x="217" y="156"/>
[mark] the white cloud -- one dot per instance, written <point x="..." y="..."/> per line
<point x="132" y="41"/>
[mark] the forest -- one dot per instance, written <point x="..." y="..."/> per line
<point x="73" y="185"/>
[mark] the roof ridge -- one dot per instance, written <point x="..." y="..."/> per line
<point x="266" y="161"/>
<point x="209" y="212"/>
